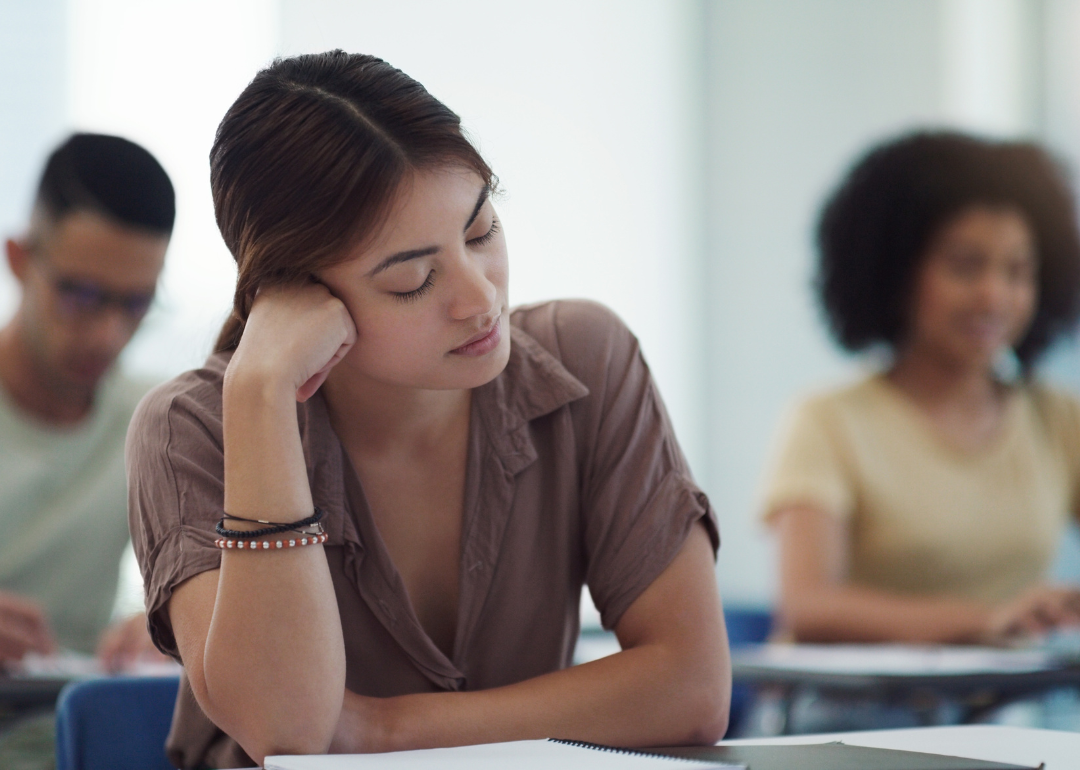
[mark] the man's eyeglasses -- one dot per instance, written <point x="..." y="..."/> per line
<point x="80" y="298"/>
<point x="83" y="298"/>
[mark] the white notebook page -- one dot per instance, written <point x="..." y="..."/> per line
<point x="517" y="755"/>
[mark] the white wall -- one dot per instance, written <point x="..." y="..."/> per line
<point x="33" y="96"/>
<point x="163" y="74"/>
<point x="1060" y="128"/>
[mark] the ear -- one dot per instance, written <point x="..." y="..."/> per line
<point x="18" y="257"/>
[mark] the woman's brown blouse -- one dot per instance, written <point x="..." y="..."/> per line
<point x="573" y="477"/>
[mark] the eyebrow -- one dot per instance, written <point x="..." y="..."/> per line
<point x="485" y="191"/>
<point x="405" y="256"/>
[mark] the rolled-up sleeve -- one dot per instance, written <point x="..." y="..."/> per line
<point x="175" y="467"/>
<point x="809" y="469"/>
<point x="639" y="501"/>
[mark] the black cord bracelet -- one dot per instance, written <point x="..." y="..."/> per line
<point x="294" y="526"/>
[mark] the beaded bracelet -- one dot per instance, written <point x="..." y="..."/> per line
<point x="266" y="545"/>
<point x="274" y="529"/>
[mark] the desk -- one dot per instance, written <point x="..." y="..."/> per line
<point x="20" y="695"/>
<point x="1016" y="745"/>
<point x="975" y="680"/>
<point x="38" y="684"/>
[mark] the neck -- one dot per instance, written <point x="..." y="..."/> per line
<point x="934" y="380"/>
<point x="29" y="385"/>
<point x="376" y="418"/>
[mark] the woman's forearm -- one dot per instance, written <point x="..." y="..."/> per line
<point x="819" y="604"/>
<point x="645" y="696"/>
<point x="274" y="662"/>
<point x="844" y="613"/>
<point x="671" y="685"/>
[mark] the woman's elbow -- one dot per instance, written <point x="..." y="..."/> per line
<point x="306" y="740"/>
<point x="709" y="727"/>
<point x="706" y="707"/>
<point x="272" y="726"/>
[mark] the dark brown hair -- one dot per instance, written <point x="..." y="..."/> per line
<point x="307" y="161"/>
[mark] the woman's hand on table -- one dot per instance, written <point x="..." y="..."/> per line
<point x="1035" y="612"/>
<point x="294" y="336"/>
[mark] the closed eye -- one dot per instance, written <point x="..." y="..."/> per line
<point x="418" y="292"/>
<point x="483" y="240"/>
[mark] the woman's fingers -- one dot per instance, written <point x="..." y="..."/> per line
<point x="307" y="390"/>
<point x="295" y="334"/>
<point x="1040" y="610"/>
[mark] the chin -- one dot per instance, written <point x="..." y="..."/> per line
<point x="452" y="375"/>
<point x="85" y="376"/>
<point x="976" y="359"/>
<point x="483" y="371"/>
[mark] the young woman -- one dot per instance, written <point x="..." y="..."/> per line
<point x="473" y="465"/>
<point x="925" y="503"/>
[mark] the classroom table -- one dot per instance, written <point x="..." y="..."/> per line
<point x="25" y="694"/>
<point x="995" y="743"/>
<point x="971" y="690"/>
<point x="37" y="684"/>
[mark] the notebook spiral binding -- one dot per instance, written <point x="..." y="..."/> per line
<point x="617" y="750"/>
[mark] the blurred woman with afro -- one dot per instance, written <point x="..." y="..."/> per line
<point x="925" y="503"/>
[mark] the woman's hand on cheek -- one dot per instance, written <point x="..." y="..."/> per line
<point x="294" y="336"/>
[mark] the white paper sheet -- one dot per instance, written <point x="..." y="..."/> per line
<point x="77" y="665"/>
<point x="519" y="755"/>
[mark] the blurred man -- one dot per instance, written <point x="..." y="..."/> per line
<point x="87" y="265"/>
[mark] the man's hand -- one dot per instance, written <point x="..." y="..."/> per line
<point x="23" y="628"/>
<point x="125" y="643"/>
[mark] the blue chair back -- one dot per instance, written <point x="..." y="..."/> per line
<point x="115" y="723"/>
<point x="745" y="625"/>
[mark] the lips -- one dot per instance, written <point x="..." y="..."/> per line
<point x="482" y="342"/>
<point x="986" y="330"/>
<point x="89" y="370"/>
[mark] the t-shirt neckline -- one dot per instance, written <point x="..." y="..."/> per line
<point x="925" y="425"/>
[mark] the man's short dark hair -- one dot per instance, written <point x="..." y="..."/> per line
<point x="111" y="176"/>
<point x="877" y="225"/>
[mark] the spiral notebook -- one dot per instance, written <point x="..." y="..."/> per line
<point x="570" y="755"/>
<point x="518" y="755"/>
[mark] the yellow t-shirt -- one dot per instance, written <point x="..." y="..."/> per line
<point x="925" y="517"/>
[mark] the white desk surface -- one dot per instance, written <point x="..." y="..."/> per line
<point x="1016" y="745"/>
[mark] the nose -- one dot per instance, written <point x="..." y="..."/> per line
<point x="108" y="331"/>
<point x="474" y="293"/>
<point x="995" y="289"/>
